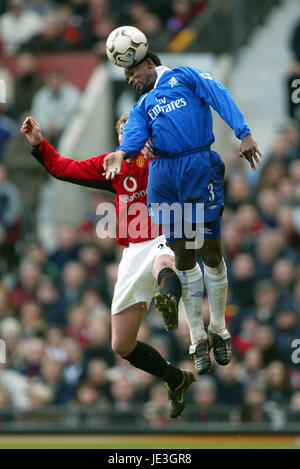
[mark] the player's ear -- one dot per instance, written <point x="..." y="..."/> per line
<point x="149" y="63"/>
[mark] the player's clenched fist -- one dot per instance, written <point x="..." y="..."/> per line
<point x="32" y="130"/>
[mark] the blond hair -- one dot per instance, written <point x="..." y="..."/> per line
<point x="123" y="119"/>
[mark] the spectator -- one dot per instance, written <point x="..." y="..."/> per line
<point x="267" y="249"/>
<point x="90" y="257"/>
<point x="67" y="249"/>
<point x="28" y="82"/>
<point x="230" y="391"/>
<point x="268" y="203"/>
<point x="54" y="104"/>
<point x="48" y="297"/>
<point x="287" y="329"/>
<point x="181" y="14"/>
<point x="96" y="375"/>
<point x="7" y="128"/>
<point x="295" y="404"/>
<point x="16" y="387"/>
<point x="11" y="333"/>
<point x="237" y="191"/>
<point x="5" y="302"/>
<point x="33" y="351"/>
<point x="251" y="371"/>
<point x="73" y="277"/>
<point x="205" y="397"/>
<point x="34" y="252"/>
<point x="278" y="383"/>
<point x="95" y="407"/>
<point x="55" y="344"/>
<point x="52" y="376"/>
<point x="29" y="279"/>
<point x="17" y="26"/>
<point x="77" y="324"/>
<point x="88" y="396"/>
<point x="232" y="241"/>
<point x="283" y="274"/>
<point x="93" y="303"/>
<point x="243" y="280"/>
<point x="74" y="367"/>
<point x="32" y="320"/>
<point x="123" y="393"/>
<point x="39" y="395"/>
<point x="156" y="409"/>
<point x="242" y="330"/>
<point x="99" y="337"/>
<point x="10" y="210"/>
<point x="42" y="7"/>
<point x="252" y="410"/>
<point x="48" y="39"/>
<point x="5" y="406"/>
<point x="264" y="339"/>
<point x="151" y="25"/>
<point x="272" y="174"/>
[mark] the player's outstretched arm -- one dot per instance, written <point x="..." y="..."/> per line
<point x="86" y="173"/>
<point x="112" y="164"/>
<point x="250" y="151"/>
<point x="31" y="129"/>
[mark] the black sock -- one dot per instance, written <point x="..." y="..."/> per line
<point x="148" y="359"/>
<point x="169" y="282"/>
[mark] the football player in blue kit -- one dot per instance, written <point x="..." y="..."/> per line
<point x="174" y="111"/>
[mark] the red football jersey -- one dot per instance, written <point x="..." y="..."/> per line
<point x="130" y="186"/>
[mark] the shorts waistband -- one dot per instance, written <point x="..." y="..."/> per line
<point x="161" y="154"/>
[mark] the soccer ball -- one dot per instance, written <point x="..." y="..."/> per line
<point x="126" y="46"/>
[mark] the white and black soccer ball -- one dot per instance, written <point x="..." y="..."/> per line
<point x="126" y="46"/>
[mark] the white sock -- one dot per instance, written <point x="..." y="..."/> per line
<point x="192" y="292"/>
<point x="215" y="279"/>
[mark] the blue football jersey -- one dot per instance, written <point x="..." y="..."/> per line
<point x="176" y="114"/>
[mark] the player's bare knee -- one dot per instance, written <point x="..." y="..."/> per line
<point x="122" y="349"/>
<point x="163" y="262"/>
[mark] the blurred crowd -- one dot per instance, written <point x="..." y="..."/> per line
<point x="66" y="25"/>
<point x="55" y="305"/>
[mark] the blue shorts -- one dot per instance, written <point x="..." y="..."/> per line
<point x="210" y="229"/>
<point x="193" y="179"/>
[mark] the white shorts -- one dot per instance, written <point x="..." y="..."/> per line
<point x="136" y="282"/>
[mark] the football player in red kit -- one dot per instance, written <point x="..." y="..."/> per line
<point x="147" y="264"/>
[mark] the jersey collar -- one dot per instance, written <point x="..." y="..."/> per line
<point x="159" y="72"/>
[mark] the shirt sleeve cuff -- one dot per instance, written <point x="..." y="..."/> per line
<point x="38" y="146"/>
<point x="128" y="154"/>
<point x="244" y="132"/>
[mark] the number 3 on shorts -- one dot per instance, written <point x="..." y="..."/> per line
<point x="211" y="192"/>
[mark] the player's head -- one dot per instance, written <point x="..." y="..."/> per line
<point x="120" y="126"/>
<point x="142" y="76"/>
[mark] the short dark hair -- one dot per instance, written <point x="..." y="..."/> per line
<point x="151" y="55"/>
